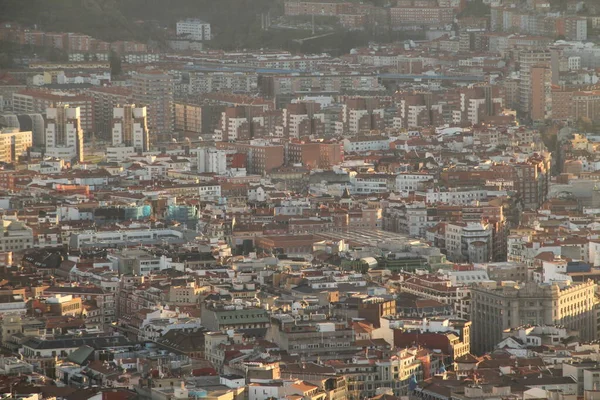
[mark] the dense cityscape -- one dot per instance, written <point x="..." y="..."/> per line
<point x="299" y="199"/>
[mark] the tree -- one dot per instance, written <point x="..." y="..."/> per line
<point x="475" y="8"/>
<point x="115" y="64"/>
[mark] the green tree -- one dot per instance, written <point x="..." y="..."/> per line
<point x="475" y="8"/>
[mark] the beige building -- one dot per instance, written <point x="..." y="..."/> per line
<point x="64" y="305"/>
<point x="185" y="294"/>
<point x="15" y="236"/>
<point x="14" y="144"/>
<point x="497" y="307"/>
<point x="188" y="117"/>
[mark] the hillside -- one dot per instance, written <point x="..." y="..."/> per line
<point x="116" y="19"/>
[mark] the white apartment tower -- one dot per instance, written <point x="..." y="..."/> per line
<point x="213" y="160"/>
<point x="194" y="29"/>
<point x="64" y="136"/>
<point x="130" y="127"/>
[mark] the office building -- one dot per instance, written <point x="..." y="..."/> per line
<point x="496" y="307"/>
<point x="15" y="236"/>
<point x="64" y="136"/>
<point x="154" y="90"/>
<point x="469" y="242"/>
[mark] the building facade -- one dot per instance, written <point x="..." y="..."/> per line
<point x="130" y="127"/>
<point x="497" y="307"/>
<point x="154" y="90"/>
<point x="64" y="135"/>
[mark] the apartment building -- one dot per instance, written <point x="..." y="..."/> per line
<point x="130" y="128"/>
<point x="366" y="143"/>
<point x="188" y="117"/>
<point x="528" y="60"/>
<point x="452" y="337"/>
<point x="541" y="93"/>
<point x="314" y="155"/>
<point x="233" y="82"/>
<point x="245" y="122"/>
<point x="585" y="104"/>
<point x="325" y="8"/>
<point x="194" y="29"/>
<point x="14" y="144"/>
<point x="302" y="119"/>
<point x="414" y="15"/>
<point x="271" y="86"/>
<point x="360" y="116"/>
<point x="64" y="135"/>
<point x="38" y="101"/>
<point x="218" y="161"/>
<point x="154" y="90"/>
<point x="532" y="180"/>
<point x="26" y="122"/>
<point x="262" y="156"/>
<point x="105" y="100"/>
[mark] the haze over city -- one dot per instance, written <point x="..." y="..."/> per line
<point x="299" y="199"/>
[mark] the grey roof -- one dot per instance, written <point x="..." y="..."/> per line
<point x="75" y="289"/>
<point x="66" y="342"/>
<point x="81" y="355"/>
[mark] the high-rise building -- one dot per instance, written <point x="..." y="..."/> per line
<point x="154" y="89"/>
<point x="498" y="307"/>
<point x="240" y="123"/>
<point x="130" y="127"/>
<point x="540" y="108"/>
<point x="302" y="119"/>
<point x="64" y="136"/>
<point x="37" y="101"/>
<point x="105" y="100"/>
<point x="360" y="115"/>
<point x="527" y="60"/>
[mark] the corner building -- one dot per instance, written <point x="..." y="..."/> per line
<point x="501" y="306"/>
